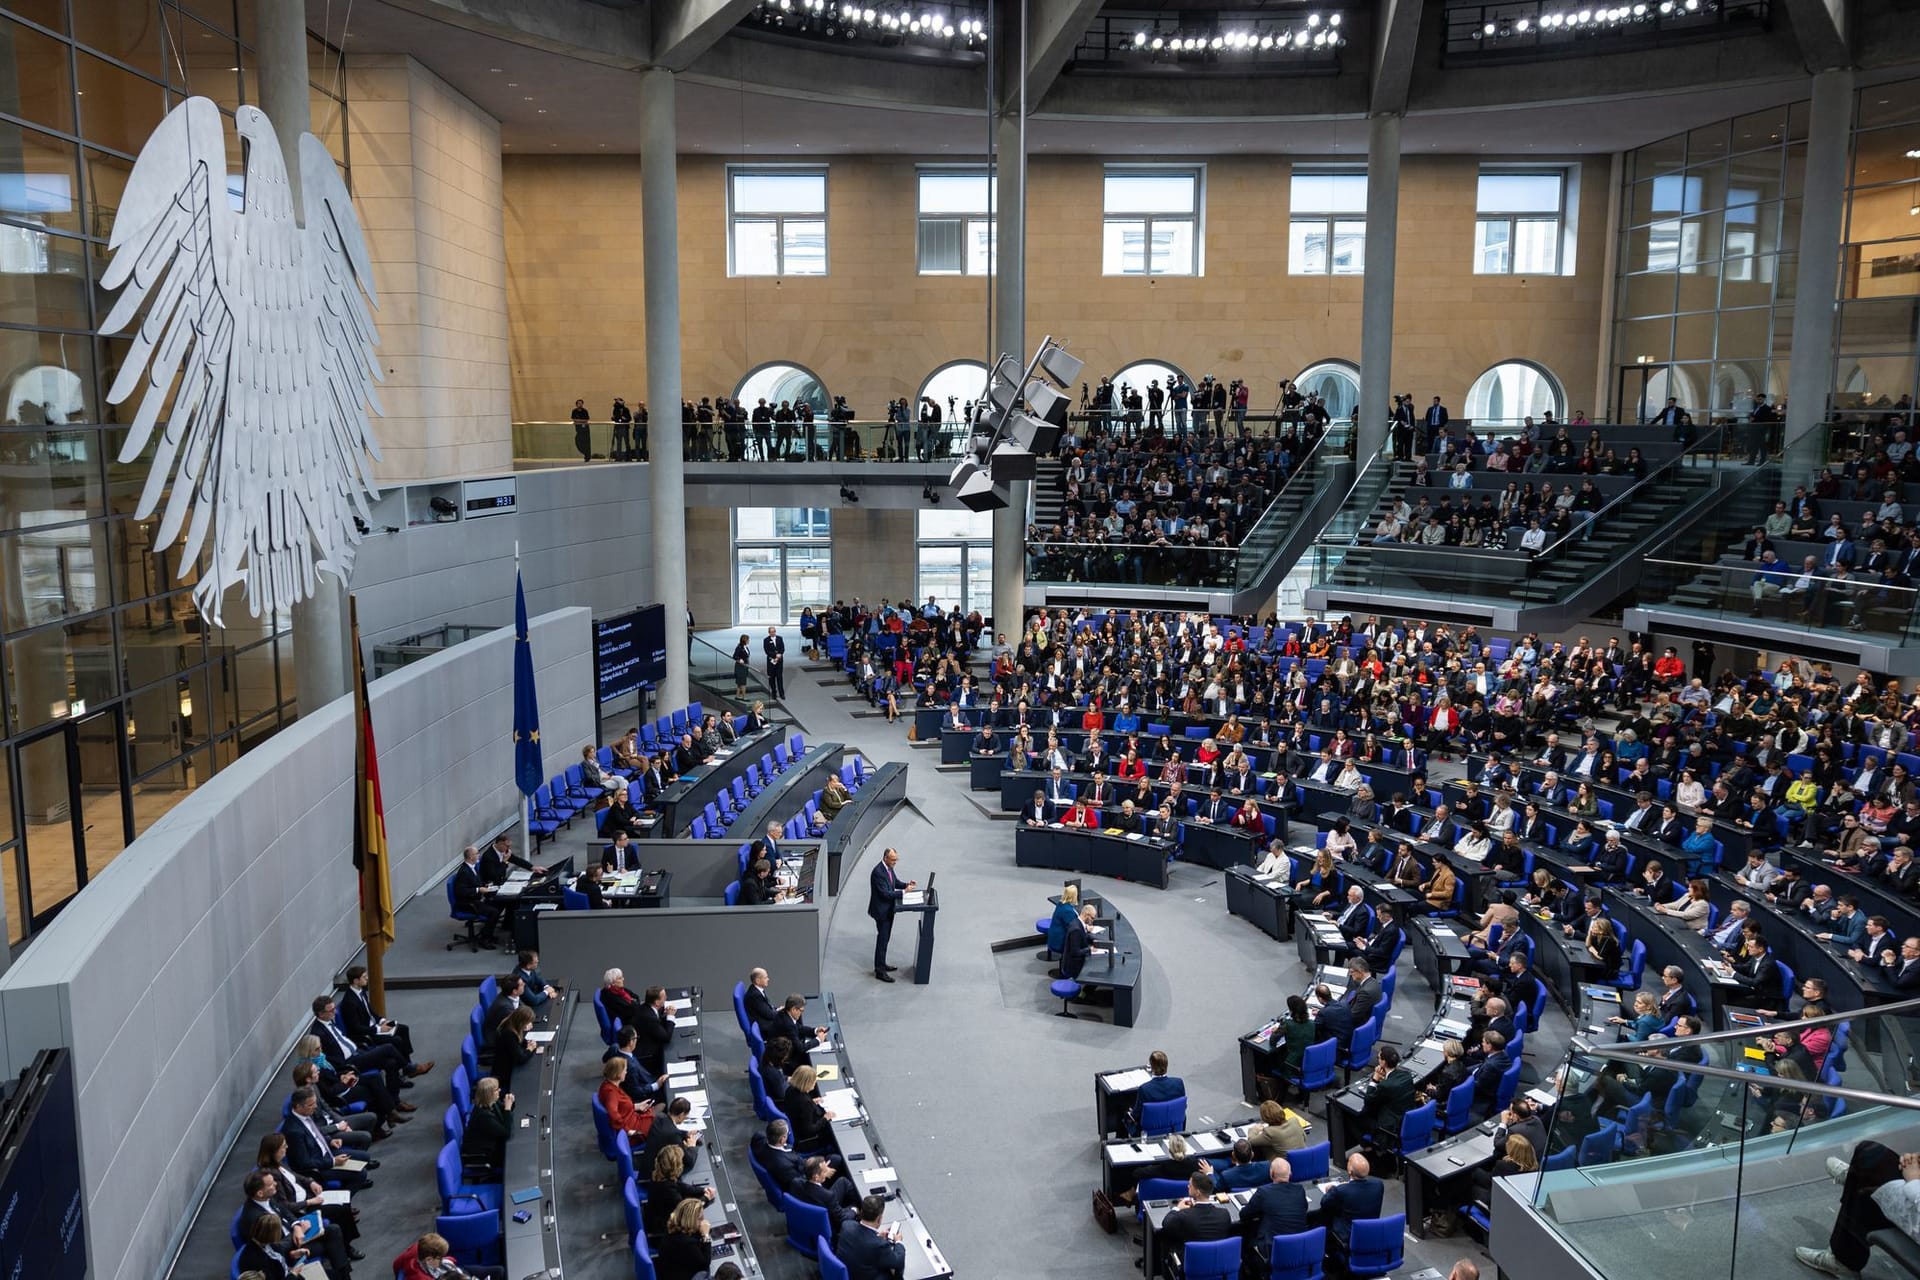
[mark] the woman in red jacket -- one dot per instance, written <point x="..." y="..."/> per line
<point x="428" y="1257"/>
<point x="625" y="1117"/>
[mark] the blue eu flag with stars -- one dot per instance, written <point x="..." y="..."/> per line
<point x="527" y="766"/>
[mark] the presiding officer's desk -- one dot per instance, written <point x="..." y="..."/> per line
<point x="1119" y="970"/>
<point x="1142" y="859"/>
<point x="689" y="794"/>
<point x="533" y="1247"/>
<point x="866" y="1159"/>
<point x="689" y="1076"/>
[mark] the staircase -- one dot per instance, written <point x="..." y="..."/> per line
<point x="1046" y="497"/>
<point x="1514" y="592"/>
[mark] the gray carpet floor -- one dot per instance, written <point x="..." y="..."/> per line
<point x="982" y="1097"/>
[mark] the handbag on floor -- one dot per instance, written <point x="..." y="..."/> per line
<point x="1103" y="1211"/>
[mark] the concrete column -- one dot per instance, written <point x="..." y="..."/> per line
<point x="321" y="637"/>
<point x="666" y="468"/>
<point x="1010" y="291"/>
<point x="1376" y="288"/>
<point x="1822" y="214"/>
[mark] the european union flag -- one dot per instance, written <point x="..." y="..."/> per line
<point x="527" y="765"/>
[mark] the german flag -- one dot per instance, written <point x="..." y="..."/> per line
<point x="369" y="816"/>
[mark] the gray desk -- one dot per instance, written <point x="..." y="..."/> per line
<point x="709" y="1164"/>
<point x="859" y="1145"/>
<point x="1142" y="859"/>
<point x="786" y="795"/>
<point x="692" y="791"/>
<point x="1119" y="970"/>
<point x="533" y="1247"/>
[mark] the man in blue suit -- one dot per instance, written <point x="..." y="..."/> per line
<point x="1335" y="1019"/>
<point x="1243" y="1173"/>
<point x="1161" y="1087"/>
<point x="1348" y="1202"/>
<point x="885" y="893"/>
<point x="1277" y="1209"/>
<point x="868" y="1250"/>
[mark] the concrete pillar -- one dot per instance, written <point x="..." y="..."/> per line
<point x="666" y="468"/>
<point x="1009" y="39"/>
<point x="320" y="633"/>
<point x="1822" y="213"/>
<point x="1376" y="288"/>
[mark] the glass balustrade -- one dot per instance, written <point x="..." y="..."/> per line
<point x="1707" y="1155"/>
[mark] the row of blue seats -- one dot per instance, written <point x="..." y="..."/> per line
<point x="713" y="821"/>
<point x="804" y="825"/>
<point x="563" y="797"/>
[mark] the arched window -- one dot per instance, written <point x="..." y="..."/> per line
<point x="776" y="382"/>
<point x="1513" y="390"/>
<point x="953" y="386"/>
<point x="1336" y="382"/>
<point x="1142" y="374"/>
<point x="46" y="396"/>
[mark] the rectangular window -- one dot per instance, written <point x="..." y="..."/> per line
<point x="956" y="222"/>
<point x="1521" y="214"/>
<point x="1152" y="222"/>
<point x="956" y="559"/>
<point x="777" y="222"/>
<point x="1327" y="228"/>
<point x="782" y="563"/>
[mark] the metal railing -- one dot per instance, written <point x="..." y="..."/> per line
<point x="1346" y="557"/>
<point x="1700" y="1146"/>
<point x="860" y="440"/>
<point x="711" y="666"/>
<point x="1814" y="601"/>
<point x="1523" y="30"/>
<point x="1160" y="562"/>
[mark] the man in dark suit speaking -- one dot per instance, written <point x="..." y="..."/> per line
<point x="886" y="890"/>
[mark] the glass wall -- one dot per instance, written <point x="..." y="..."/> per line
<point x="1711" y="225"/>
<point x="956" y="559"/>
<point x="782" y="563"/>
<point x="118" y="699"/>
<point x="1874" y="371"/>
<point x="1708" y="258"/>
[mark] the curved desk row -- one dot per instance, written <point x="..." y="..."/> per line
<point x="689" y="794"/>
<point x="1142" y="859"/>
<point x="1119" y="970"/>
<point x="858" y="1143"/>
<point x="689" y="1075"/>
<point x="533" y="1247"/>
<point x="883" y="791"/>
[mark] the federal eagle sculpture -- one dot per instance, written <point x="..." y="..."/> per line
<point x="266" y="449"/>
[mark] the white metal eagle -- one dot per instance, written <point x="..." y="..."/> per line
<point x="263" y="322"/>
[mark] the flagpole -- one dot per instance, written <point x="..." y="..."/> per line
<point x="526" y="801"/>
<point x="375" y="939"/>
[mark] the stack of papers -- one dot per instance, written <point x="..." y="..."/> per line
<point x="875" y="1177"/>
<point x="1123" y="1081"/>
<point x="913" y="898"/>
<point x="541" y="1037"/>
<point x="681" y="1074"/>
<point x="844" y="1103"/>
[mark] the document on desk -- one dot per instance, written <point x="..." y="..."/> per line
<point x="1137" y="1153"/>
<point x="844" y="1103"/>
<point x="1123" y="1081"/>
<point x="696" y="1098"/>
<point x="826" y="1071"/>
<point x="541" y="1037"/>
<point x="913" y="898"/>
<point x="682" y="1070"/>
<point x="336" y="1197"/>
<point x="676" y="1006"/>
<point x="1543" y="1097"/>
<point x="876" y="1177"/>
<point x="686" y="1022"/>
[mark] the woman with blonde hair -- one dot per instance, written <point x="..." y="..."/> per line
<point x="666" y="1190"/>
<point x="686" y="1251"/>
<point x="1064" y="913"/>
